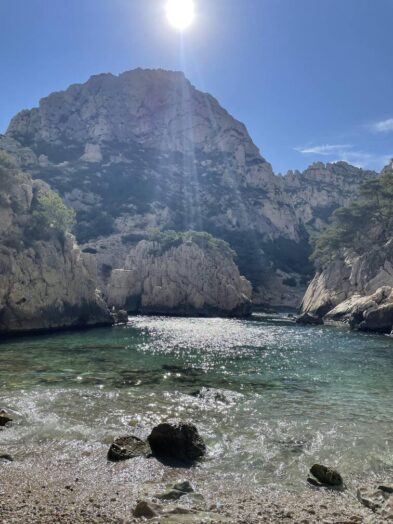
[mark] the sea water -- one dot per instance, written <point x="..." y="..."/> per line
<point x="290" y="395"/>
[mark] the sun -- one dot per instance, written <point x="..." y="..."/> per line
<point x="180" y="13"/>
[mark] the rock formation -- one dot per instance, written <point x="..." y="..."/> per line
<point x="146" y="149"/>
<point x="355" y="283"/>
<point x="45" y="280"/>
<point x="356" y="290"/>
<point x="193" y="274"/>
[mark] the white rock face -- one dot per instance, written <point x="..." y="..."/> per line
<point x="92" y="153"/>
<point x="146" y="149"/>
<point x="357" y="290"/>
<point x="349" y="275"/>
<point x="185" y="279"/>
<point x="44" y="284"/>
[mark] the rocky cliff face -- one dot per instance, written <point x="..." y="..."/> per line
<point x="45" y="282"/>
<point x="354" y="280"/>
<point x="185" y="277"/>
<point x="146" y="149"/>
<point x="316" y="192"/>
<point x="353" y="287"/>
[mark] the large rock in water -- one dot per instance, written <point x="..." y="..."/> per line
<point x="45" y="281"/>
<point x="326" y="475"/>
<point x="195" y="275"/>
<point x="177" y="440"/>
<point x="147" y="149"/>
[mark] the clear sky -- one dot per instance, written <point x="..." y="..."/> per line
<point x="311" y="79"/>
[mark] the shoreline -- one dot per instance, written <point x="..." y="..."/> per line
<point x="89" y="490"/>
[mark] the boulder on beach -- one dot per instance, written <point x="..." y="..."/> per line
<point x="177" y="440"/>
<point x="5" y="418"/>
<point x="326" y="475"/>
<point x="125" y="448"/>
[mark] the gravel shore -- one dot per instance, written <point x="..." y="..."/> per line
<point x="88" y="489"/>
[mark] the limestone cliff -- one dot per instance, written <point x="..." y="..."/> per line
<point x="45" y="280"/>
<point x="354" y="285"/>
<point x="147" y="149"/>
<point x="192" y="274"/>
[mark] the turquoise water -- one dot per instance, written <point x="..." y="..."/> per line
<point x="293" y="395"/>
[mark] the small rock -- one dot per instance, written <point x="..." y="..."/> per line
<point x="6" y="457"/>
<point x="309" y="319"/>
<point x="372" y="499"/>
<point x="327" y="476"/>
<point x="146" y="510"/>
<point x="183" y="486"/>
<point x="386" y="489"/>
<point x="215" y="395"/>
<point x="177" y="440"/>
<point x="125" y="448"/>
<point x="4" y="418"/>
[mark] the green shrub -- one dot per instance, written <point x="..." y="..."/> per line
<point x="8" y="171"/>
<point x="362" y="224"/>
<point x="171" y="238"/>
<point x="50" y="214"/>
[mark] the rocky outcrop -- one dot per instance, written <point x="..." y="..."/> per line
<point x="355" y="289"/>
<point x="146" y="149"/>
<point x="186" y="277"/>
<point x="317" y="191"/>
<point x="45" y="280"/>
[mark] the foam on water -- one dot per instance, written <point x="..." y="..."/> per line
<point x="296" y="395"/>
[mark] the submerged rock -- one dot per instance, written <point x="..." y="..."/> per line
<point x="177" y="491"/>
<point x="172" y="494"/>
<point x="125" y="448"/>
<point x="326" y="475"/>
<point x="309" y="319"/>
<point x="215" y="395"/>
<point x="5" y="418"/>
<point x="177" y="440"/>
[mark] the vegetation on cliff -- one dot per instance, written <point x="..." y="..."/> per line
<point x="170" y="238"/>
<point x="47" y="216"/>
<point x="361" y="225"/>
<point x="51" y="214"/>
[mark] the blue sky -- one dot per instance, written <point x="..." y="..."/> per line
<point x="311" y="79"/>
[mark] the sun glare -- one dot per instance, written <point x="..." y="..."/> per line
<point x="180" y="13"/>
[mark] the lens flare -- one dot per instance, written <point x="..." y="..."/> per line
<point x="180" y="13"/>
